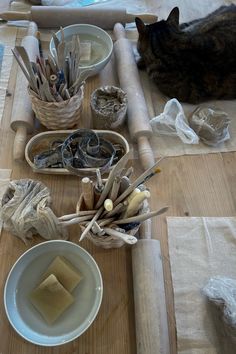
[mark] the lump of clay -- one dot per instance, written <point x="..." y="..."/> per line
<point x="25" y="211"/>
<point x="65" y="272"/>
<point x="210" y="124"/>
<point x="51" y="299"/>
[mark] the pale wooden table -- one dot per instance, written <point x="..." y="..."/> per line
<point x="190" y="185"/>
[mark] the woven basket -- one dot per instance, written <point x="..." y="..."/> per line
<point x="105" y="241"/>
<point x="59" y="115"/>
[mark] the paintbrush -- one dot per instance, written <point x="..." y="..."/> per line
<point x="152" y="171"/>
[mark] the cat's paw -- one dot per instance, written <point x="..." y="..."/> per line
<point x="141" y="64"/>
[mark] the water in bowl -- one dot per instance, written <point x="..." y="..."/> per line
<point x="99" y="48"/>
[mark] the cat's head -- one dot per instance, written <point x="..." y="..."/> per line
<point x="159" y="28"/>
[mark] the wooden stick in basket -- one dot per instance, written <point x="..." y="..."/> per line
<point x="135" y="203"/>
<point x="116" y="169"/>
<point x="140" y="180"/>
<point x="87" y="190"/>
<point x="125" y="237"/>
<point x="74" y="221"/>
<point x="90" y="224"/>
<point x="141" y="217"/>
<point x="75" y="215"/>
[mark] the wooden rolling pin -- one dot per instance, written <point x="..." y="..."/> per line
<point x="22" y="118"/>
<point x="138" y="118"/>
<point x="149" y="298"/>
<point x="56" y="16"/>
<point x="148" y="283"/>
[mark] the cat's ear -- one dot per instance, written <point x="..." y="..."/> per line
<point x="173" y="18"/>
<point x="140" y="25"/>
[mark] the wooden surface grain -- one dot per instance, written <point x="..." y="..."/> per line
<point x="200" y="185"/>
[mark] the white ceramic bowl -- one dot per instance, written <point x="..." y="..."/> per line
<point x="24" y="277"/>
<point x="99" y="36"/>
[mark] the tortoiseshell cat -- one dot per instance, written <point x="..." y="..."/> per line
<point x="193" y="61"/>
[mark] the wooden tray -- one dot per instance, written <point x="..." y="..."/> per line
<point x="41" y="142"/>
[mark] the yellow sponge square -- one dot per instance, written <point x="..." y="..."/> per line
<point x="65" y="272"/>
<point x="51" y="299"/>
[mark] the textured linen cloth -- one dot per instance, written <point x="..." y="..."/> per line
<point x="199" y="248"/>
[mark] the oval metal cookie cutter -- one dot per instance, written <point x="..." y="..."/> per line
<point x="84" y="149"/>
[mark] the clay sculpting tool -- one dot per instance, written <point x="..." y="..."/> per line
<point x="136" y="203"/>
<point x="90" y="224"/>
<point x="97" y="230"/>
<point x="115" y="188"/>
<point x="108" y="205"/>
<point x="26" y="60"/>
<point x="87" y="190"/>
<point x="141" y="217"/>
<point x="120" y="164"/>
<point x="125" y="237"/>
<point x="145" y="176"/>
<point x="56" y="16"/>
<point x="124" y="184"/>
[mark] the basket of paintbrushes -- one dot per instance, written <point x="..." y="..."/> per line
<point x="56" y="84"/>
<point x="110" y="212"/>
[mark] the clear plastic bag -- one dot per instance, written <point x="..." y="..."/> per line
<point x="173" y="122"/>
<point x="211" y="125"/>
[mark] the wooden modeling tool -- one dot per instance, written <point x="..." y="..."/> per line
<point x="22" y="118"/>
<point x="138" y="118"/>
<point x="141" y="217"/>
<point x="56" y="16"/>
<point x="88" y="194"/>
<point x="125" y="237"/>
<point x="108" y="205"/>
<point x="150" y="172"/>
<point x="120" y="164"/>
<point x="135" y="203"/>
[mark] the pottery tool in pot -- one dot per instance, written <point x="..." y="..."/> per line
<point x="138" y="118"/>
<point x="56" y="16"/>
<point x="22" y="118"/>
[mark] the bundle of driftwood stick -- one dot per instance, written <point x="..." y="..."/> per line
<point x="113" y="207"/>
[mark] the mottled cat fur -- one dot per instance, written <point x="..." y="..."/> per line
<point x="193" y="61"/>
